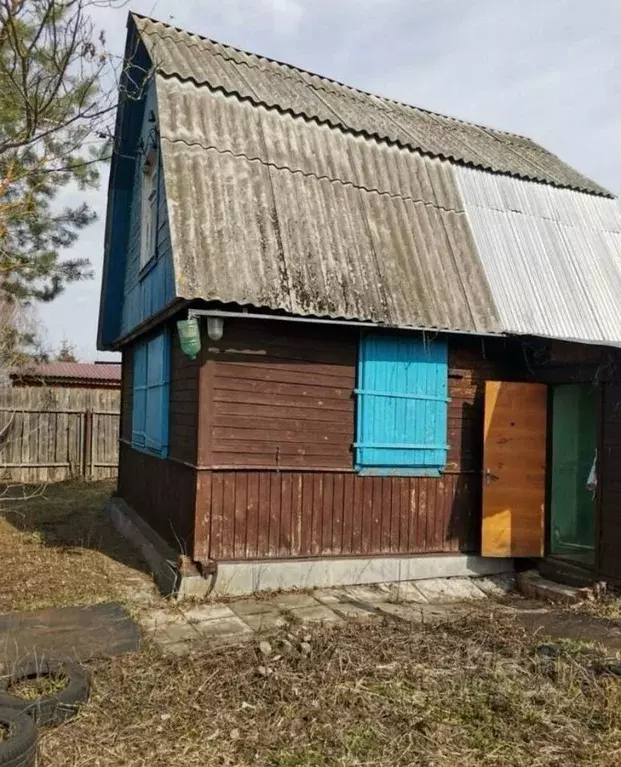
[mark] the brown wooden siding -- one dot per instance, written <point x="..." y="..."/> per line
<point x="260" y="514"/>
<point x="283" y="400"/>
<point x="163" y="492"/>
<point x="281" y="481"/>
<point x="184" y="400"/>
<point x="267" y="415"/>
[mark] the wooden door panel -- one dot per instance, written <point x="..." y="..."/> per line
<point x="514" y="463"/>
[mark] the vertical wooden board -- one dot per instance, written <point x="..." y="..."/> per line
<point x="217" y="512"/>
<point x="241" y="513"/>
<point x="349" y="499"/>
<point x="367" y="514"/>
<point x="375" y="538"/>
<point x="307" y="515"/>
<point x="317" y="513"/>
<point x="395" y="514"/>
<point x="274" y="517"/>
<point x="327" y="513"/>
<point x="514" y="469"/>
<point x="387" y="514"/>
<point x="422" y="523"/>
<point x="296" y="514"/>
<point x="252" y="516"/>
<point x="284" y="542"/>
<point x="404" y="513"/>
<point x="337" y="516"/>
<point x="440" y="514"/>
<point x="263" y="538"/>
<point x="202" y="519"/>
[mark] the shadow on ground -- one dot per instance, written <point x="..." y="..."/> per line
<point x="58" y="547"/>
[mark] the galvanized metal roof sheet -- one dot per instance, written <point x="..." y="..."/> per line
<point x="288" y="89"/>
<point x="270" y="210"/>
<point x="552" y="256"/>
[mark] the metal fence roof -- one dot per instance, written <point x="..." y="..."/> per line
<point x="94" y="372"/>
<point x="552" y="256"/>
<point x="289" y="89"/>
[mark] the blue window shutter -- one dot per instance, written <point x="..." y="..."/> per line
<point x="139" y="400"/>
<point x="158" y="377"/>
<point x="402" y="397"/>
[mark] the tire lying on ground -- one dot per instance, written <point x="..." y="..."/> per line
<point x="18" y="739"/>
<point x="53" y="708"/>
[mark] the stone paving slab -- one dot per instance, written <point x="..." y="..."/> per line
<point x="182" y="629"/>
<point x="223" y="627"/>
<point x="179" y="631"/>
<point x="318" y="614"/>
<point x="245" y="607"/>
<point x="443" y="589"/>
<point x="402" y="592"/>
<point x="293" y="601"/>
<point x="265" y="621"/>
<point x="207" y="612"/>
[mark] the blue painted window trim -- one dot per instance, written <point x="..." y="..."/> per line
<point x="151" y="395"/>
<point x="401" y="406"/>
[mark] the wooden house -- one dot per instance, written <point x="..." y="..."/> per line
<point x="408" y="330"/>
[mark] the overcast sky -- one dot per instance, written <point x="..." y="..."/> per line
<point x="549" y="69"/>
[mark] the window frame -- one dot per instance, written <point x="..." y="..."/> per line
<point x="149" y="208"/>
<point x="432" y="400"/>
<point x="142" y="386"/>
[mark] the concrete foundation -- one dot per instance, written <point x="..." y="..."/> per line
<point x="178" y="577"/>
<point x="236" y="578"/>
<point x="174" y="575"/>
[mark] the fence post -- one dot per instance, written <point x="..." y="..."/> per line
<point x="87" y="447"/>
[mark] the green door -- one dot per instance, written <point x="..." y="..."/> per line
<point x="572" y="517"/>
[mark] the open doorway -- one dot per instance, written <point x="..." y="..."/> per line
<point x="572" y="490"/>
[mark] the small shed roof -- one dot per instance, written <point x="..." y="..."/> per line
<point x="91" y="373"/>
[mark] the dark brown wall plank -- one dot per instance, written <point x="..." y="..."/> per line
<point x="163" y="492"/>
<point x="269" y="514"/>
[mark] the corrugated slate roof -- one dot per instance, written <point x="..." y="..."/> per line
<point x="294" y="193"/>
<point x="299" y="217"/>
<point x="77" y="371"/>
<point x="289" y="89"/>
<point x="552" y="256"/>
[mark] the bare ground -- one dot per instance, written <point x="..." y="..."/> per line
<point x="475" y="692"/>
<point x="58" y="548"/>
<point x="472" y="693"/>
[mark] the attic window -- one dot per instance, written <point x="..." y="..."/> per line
<point x="148" y="214"/>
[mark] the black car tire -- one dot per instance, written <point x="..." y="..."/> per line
<point x="19" y="749"/>
<point x="49" y="709"/>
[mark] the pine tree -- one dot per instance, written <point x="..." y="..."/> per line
<point x="67" y="352"/>
<point x="56" y="104"/>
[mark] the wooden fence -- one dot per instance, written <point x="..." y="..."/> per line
<point x="48" y="434"/>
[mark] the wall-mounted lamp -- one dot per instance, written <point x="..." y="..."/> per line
<point x="215" y="328"/>
<point x="189" y="337"/>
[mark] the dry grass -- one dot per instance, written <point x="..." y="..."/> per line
<point x="470" y="694"/>
<point x="59" y="549"/>
<point x="32" y="688"/>
<point x="607" y="607"/>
